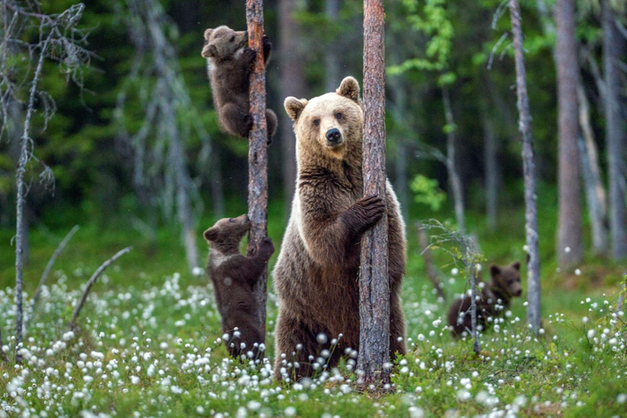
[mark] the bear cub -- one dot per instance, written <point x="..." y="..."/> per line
<point x="229" y="64"/>
<point x="494" y="299"/>
<point x="234" y="276"/>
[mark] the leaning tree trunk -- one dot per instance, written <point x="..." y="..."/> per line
<point x="454" y="180"/>
<point x="570" y="239"/>
<point x="374" y="284"/>
<point x="613" y="51"/>
<point x="292" y="84"/>
<point x="258" y="152"/>
<point x="531" y="212"/>
<point x="592" y="178"/>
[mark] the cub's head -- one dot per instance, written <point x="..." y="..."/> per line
<point x="227" y="232"/>
<point x="330" y="124"/>
<point x="223" y="42"/>
<point x="507" y="278"/>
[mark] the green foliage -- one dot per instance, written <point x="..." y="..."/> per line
<point x="427" y="192"/>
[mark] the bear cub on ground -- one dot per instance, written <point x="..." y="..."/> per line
<point x="229" y="63"/>
<point x="234" y="276"/>
<point x="494" y="299"/>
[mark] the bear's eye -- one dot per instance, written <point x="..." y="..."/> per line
<point x="232" y="38"/>
<point x="316" y="122"/>
<point x="338" y="115"/>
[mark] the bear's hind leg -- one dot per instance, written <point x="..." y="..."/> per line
<point x="235" y="120"/>
<point x="272" y="122"/>
<point x="294" y="346"/>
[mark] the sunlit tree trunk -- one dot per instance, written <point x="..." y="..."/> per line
<point x="569" y="236"/>
<point x="614" y="49"/>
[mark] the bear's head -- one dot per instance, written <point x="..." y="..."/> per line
<point x="507" y="279"/>
<point x="227" y="233"/>
<point x="328" y="125"/>
<point x="223" y="42"/>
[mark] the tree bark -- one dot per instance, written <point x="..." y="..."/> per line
<point x="292" y="84"/>
<point x="570" y="239"/>
<point x="432" y="274"/>
<point x="258" y="152"/>
<point x="531" y="211"/>
<point x="332" y="54"/>
<point x="374" y="285"/>
<point x="614" y="46"/>
<point x="593" y="182"/>
<point x="491" y="172"/>
<point x="454" y="180"/>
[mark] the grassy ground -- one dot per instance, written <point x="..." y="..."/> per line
<point x="149" y="341"/>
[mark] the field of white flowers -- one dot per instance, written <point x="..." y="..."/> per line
<point x="152" y="347"/>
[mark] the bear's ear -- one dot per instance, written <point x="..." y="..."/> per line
<point x="294" y="107"/>
<point x="211" y="234"/>
<point x="209" y="51"/>
<point x="208" y="34"/>
<point x="494" y="270"/>
<point x="349" y="89"/>
<point x="516" y="265"/>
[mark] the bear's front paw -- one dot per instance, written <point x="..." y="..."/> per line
<point x="266" y="248"/>
<point x="267" y="45"/>
<point x="247" y="125"/>
<point x="249" y="55"/>
<point x="367" y="211"/>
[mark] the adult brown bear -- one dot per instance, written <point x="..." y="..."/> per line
<point x="316" y="273"/>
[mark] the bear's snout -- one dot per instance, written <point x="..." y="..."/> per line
<point x="334" y="137"/>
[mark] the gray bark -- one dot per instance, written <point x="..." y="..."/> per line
<point x="374" y="285"/>
<point x="293" y="83"/>
<point x="451" y="165"/>
<point x="593" y="182"/>
<point x="258" y="152"/>
<point x="570" y="237"/>
<point x="614" y="48"/>
<point x="531" y="210"/>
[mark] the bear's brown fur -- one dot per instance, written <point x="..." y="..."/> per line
<point x="234" y="277"/>
<point x="229" y="64"/>
<point x="316" y="276"/>
<point x="493" y="300"/>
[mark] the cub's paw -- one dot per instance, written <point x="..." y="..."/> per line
<point x="247" y="125"/>
<point x="249" y="55"/>
<point x="267" y="45"/>
<point x="266" y="248"/>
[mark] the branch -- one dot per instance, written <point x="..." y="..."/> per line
<point x="44" y="276"/>
<point x="91" y="282"/>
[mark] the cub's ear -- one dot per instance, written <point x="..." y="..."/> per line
<point x="294" y="107"/>
<point x="494" y="270"/>
<point x="349" y="89"/>
<point x="516" y="265"/>
<point x="207" y="34"/>
<point x="209" y="51"/>
<point x="211" y="234"/>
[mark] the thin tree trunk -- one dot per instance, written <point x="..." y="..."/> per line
<point x="258" y="152"/>
<point x="476" y="347"/>
<point x="593" y="183"/>
<point x="292" y="84"/>
<point x="432" y="274"/>
<point x="570" y="239"/>
<point x="332" y="55"/>
<point x="374" y="284"/>
<point x="531" y="211"/>
<point x="491" y="172"/>
<point x="614" y="46"/>
<point x="454" y="180"/>
<point x="217" y="185"/>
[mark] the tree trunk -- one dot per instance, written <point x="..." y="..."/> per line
<point x="257" y="152"/>
<point x="217" y="186"/>
<point x="292" y="84"/>
<point x="374" y="284"/>
<point x="593" y="183"/>
<point x="332" y="54"/>
<point x="570" y="239"/>
<point x="531" y="211"/>
<point x="454" y="180"/>
<point x="614" y="46"/>
<point x="491" y="172"/>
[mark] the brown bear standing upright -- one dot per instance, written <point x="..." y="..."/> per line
<point x="316" y="273"/>
<point x="229" y="64"/>
<point x="493" y="299"/>
<point x="234" y="276"/>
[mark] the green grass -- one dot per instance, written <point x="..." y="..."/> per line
<point x="149" y="339"/>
